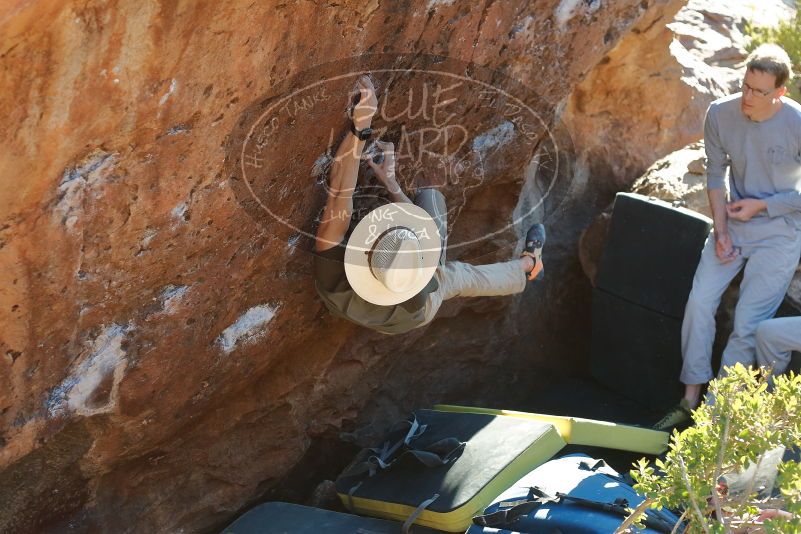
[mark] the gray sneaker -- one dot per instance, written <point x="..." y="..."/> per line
<point x="679" y="417"/>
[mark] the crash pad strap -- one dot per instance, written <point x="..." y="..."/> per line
<point x="382" y="457"/>
<point x="586" y="466"/>
<point x="436" y="454"/>
<point x="535" y="499"/>
<point x="417" y="511"/>
<point x="351" y="492"/>
<point x="439" y="453"/>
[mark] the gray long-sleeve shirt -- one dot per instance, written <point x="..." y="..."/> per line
<point x="763" y="158"/>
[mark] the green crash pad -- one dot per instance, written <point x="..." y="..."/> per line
<point x="498" y="451"/>
<point x="589" y="432"/>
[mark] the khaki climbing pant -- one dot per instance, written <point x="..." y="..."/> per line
<point x="776" y="339"/>
<point x="457" y="279"/>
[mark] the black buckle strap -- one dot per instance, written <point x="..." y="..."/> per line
<point x="586" y="466"/>
<point x="439" y="453"/>
<point x="384" y="456"/>
<point x="536" y="498"/>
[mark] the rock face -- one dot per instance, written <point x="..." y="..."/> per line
<point x="166" y="361"/>
<point x="678" y="177"/>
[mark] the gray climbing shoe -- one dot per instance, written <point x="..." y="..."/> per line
<point x="535" y="240"/>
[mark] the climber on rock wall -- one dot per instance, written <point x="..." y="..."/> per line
<point x="389" y="273"/>
<point x="756" y="135"/>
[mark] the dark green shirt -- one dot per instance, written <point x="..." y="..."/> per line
<point x="340" y="299"/>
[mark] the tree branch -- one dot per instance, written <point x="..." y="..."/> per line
<point x="721" y="452"/>
<point x="678" y="523"/>
<point x="634" y="515"/>
<point x="693" y="498"/>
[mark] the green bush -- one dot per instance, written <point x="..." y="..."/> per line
<point x="746" y="421"/>
<point x="787" y="35"/>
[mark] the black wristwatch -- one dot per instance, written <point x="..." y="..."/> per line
<point x="362" y="135"/>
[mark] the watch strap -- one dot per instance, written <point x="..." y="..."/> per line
<point x="362" y="135"/>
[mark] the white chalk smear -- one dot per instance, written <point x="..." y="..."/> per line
<point x="173" y="86"/>
<point x="107" y="357"/>
<point x="171" y="298"/>
<point x="249" y="327"/>
<point x="494" y="138"/>
<point x="179" y="211"/>
<point x="78" y="181"/>
<point x="434" y="3"/>
<point x="565" y="11"/>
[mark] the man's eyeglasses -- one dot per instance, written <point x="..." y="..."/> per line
<point x="761" y="93"/>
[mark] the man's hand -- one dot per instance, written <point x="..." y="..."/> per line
<point x="770" y="513"/>
<point x="364" y="110"/>
<point x="745" y="209"/>
<point x="384" y="171"/>
<point x="724" y="249"/>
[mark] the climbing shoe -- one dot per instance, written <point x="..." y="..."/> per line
<point x="679" y="417"/>
<point x="535" y="240"/>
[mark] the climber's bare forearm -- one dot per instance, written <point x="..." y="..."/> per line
<point x="396" y="194"/>
<point x="336" y="216"/>
<point x="345" y="169"/>
<point x="338" y="209"/>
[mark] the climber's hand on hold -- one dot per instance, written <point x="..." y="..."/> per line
<point x="383" y="162"/>
<point x="365" y="108"/>
<point x="385" y="170"/>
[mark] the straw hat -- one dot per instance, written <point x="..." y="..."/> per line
<point x="392" y="253"/>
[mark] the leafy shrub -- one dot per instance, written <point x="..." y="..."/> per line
<point x="746" y="421"/>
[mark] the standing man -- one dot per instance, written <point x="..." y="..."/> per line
<point x="390" y="273"/>
<point x="756" y="134"/>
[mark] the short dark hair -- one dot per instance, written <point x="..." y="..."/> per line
<point x="772" y="59"/>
